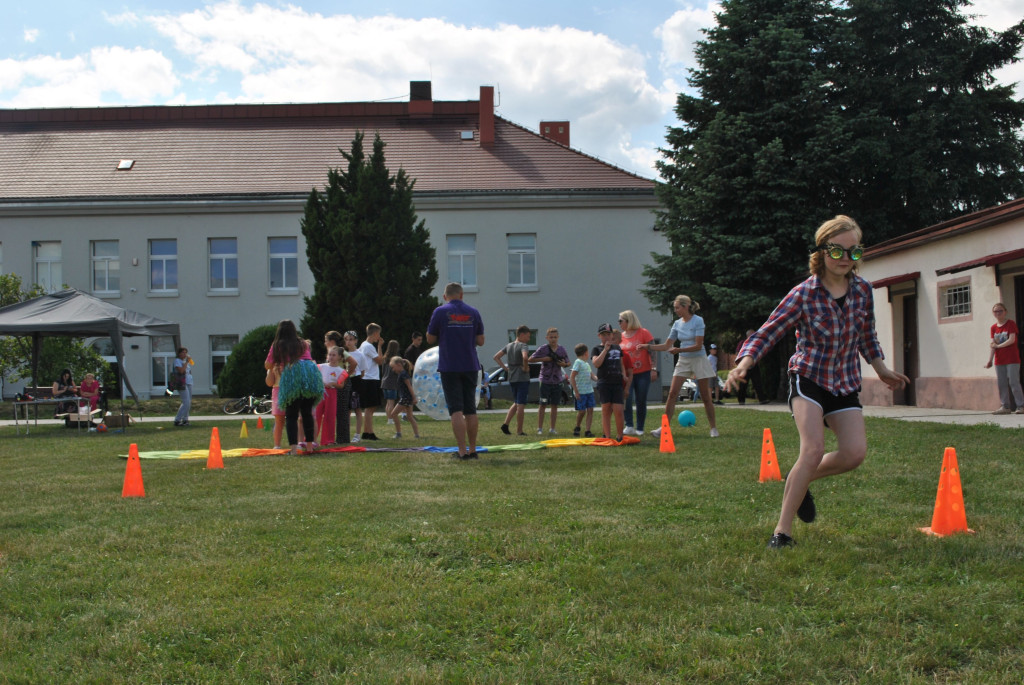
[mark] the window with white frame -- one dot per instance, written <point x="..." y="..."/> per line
<point x="163" y="265"/>
<point x="106" y="267"/>
<point x="163" y="359"/>
<point x="462" y="260"/>
<point x="223" y="264"/>
<point x="522" y="260"/>
<point x="220" y="350"/>
<point x="49" y="271"/>
<point x="956" y="300"/>
<point x="284" y="263"/>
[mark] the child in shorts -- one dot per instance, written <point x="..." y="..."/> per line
<point x="553" y="358"/>
<point x="611" y="380"/>
<point x="401" y="369"/>
<point x="582" y="379"/>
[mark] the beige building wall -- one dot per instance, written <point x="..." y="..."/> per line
<point x="952" y="350"/>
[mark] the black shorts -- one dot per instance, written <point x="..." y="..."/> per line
<point x="829" y="403"/>
<point x="551" y="393"/>
<point x="610" y="393"/>
<point x="369" y="392"/>
<point x="460" y="391"/>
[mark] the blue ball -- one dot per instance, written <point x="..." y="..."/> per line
<point x="687" y="418"/>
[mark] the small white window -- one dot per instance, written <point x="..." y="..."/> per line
<point x="49" y="270"/>
<point x="223" y="264"/>
<point x="162" y="360"/>
<point x="163" y="265"/>
<point x="522" y="260"/>
<point x="106" y="268"/>
<point x="462" y="260"/>
<point x="284" y="263"/>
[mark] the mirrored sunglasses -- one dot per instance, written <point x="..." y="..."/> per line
<point x="837" y="251"/>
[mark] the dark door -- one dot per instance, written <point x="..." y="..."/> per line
<point x="910" y="357"/>
<point x="1018" y="305"/>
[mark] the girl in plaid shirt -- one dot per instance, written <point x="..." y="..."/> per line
<point x="833" y="312"/>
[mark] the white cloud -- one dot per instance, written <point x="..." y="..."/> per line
<point x="679" y="33"/>
<point x="132" y="76"/>
<point x="31" y="35"/>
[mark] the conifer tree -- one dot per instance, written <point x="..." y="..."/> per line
<point x="371" y="260"/>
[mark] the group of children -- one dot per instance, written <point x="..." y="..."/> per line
<point x="606" y="365"/>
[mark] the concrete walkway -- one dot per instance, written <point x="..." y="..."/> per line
<point x="948" y="416"/>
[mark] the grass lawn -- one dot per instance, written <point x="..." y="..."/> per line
<point x="567" y="565"/>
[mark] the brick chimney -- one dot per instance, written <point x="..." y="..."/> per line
<point x="487" y="116"/>
<point x="557" y="131"/>
<point x="421" y="102"/>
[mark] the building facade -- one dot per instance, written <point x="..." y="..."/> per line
<point x="934" y="292"/>
<point x="192" y="214"/>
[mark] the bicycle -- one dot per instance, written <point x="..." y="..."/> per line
<point x="251" y="404"/>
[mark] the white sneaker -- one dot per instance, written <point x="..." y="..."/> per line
<point x="540" y="431"/>
<point x="629" y="430"/>
<point x="714" y="432"/>
<point x="355" y="438"/>
<point x="639" y="433"/>
<point x="656" y="433"/>
<point x="552" y="431"/>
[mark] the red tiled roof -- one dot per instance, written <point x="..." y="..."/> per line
<point x="232" y="150"/>
<point x="987" y="260"/>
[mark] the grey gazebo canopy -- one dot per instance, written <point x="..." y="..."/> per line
<point x="72" y="313"/>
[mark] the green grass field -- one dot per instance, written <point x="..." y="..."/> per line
<point x="568" y="565"/>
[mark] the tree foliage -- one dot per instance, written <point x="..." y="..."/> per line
<point x="55" y="353"/>
<point x="371" y="260"/>
<point x="243" y="373"/>
<point x="805" y="109"/>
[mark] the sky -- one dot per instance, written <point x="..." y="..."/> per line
<point x="612" y="68"/>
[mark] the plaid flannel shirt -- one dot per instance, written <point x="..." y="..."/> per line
<point x="829" y="336"/>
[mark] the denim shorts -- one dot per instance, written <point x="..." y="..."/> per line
<point x="389" y="394"/>
<point x="520" y="391"/>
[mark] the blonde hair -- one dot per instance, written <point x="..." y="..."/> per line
<point x="685" y="301"/>
<point x="401" y="361"/>
<point x="824" y="235"/>
<point x="631" y="319"/>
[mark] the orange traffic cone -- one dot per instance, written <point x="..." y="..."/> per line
<point x="949" y="516"/>
<point x="215" y="460"/>
<point x="245" y="431"/>
<point x="667" y="443"/>
<point x="133" y="475"/>
<point x="259" y="423"/>
<point x="769" y="462"/>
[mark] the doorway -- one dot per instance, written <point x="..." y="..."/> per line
<point x="911" y="361"/>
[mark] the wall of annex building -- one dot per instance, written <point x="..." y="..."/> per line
<point x="589" y="258"/>
<point x="952" y="350"/>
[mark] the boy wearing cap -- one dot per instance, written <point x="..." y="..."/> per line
<point x="607" y="359"/>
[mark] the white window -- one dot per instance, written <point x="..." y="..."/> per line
<point x="522" y="260"/>
<point x="220" y="350"/>
<point x="163" y="360"/>
<point x="163" y="265"/>
<point x="284" y="263"/>
<point x="462" y="260"/>
<point x="223" y="264"/>
<point x="106" y="267"/>
<point x="49" y="274"/>
<point x="956" y="300"/>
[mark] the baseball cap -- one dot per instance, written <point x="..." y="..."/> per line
<point x="604" y="328"/>
<point x="714" y="346"/>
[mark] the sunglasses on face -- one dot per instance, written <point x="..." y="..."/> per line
<point x="837" y="251"/>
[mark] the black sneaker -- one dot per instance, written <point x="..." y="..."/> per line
<point x="369" y="436"/>
<point x="472" y="455"/>
<point x="576" y="432"/>
<point x="806" y="512"/>
<point x="781" y="541"/>
<point x="588" y="434"/>
<point x="505" y="430"/>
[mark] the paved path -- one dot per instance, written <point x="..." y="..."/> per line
<point x="948" y="416"/>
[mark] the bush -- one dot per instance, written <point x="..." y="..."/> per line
<point x="243" y="373"/>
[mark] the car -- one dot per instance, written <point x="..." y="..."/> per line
<point x="501" y="390"/>
<point x="689" y="389"/>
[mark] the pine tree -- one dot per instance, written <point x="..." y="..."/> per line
<point x="370" y="258"/>
<point x="810" y="108"/>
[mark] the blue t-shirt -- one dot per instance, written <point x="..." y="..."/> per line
<point x="456" y="326"/>
<point x="685" y="335"/>
<point x="584" y="383"/>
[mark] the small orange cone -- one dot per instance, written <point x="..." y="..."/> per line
<point x="949" y="516"/>
<point x="133" y="475"/>
<point x="215" y="460"/>
<point x="245" y="431"/>
<point x="259" y="423"/>
<point x="667" y="443"/>
<point x="769" y="462"/>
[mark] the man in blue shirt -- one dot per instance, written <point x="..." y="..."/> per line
<point x="458" y="330"/>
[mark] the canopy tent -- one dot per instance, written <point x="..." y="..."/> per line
<point x="73" y="313"/>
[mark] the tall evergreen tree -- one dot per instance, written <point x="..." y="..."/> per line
<point x="809" y="108"/>
<point x="371" y="260"/>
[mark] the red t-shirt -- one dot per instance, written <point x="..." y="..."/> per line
<point x="1011" y="353"/>
<point x="641" y="358"/>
